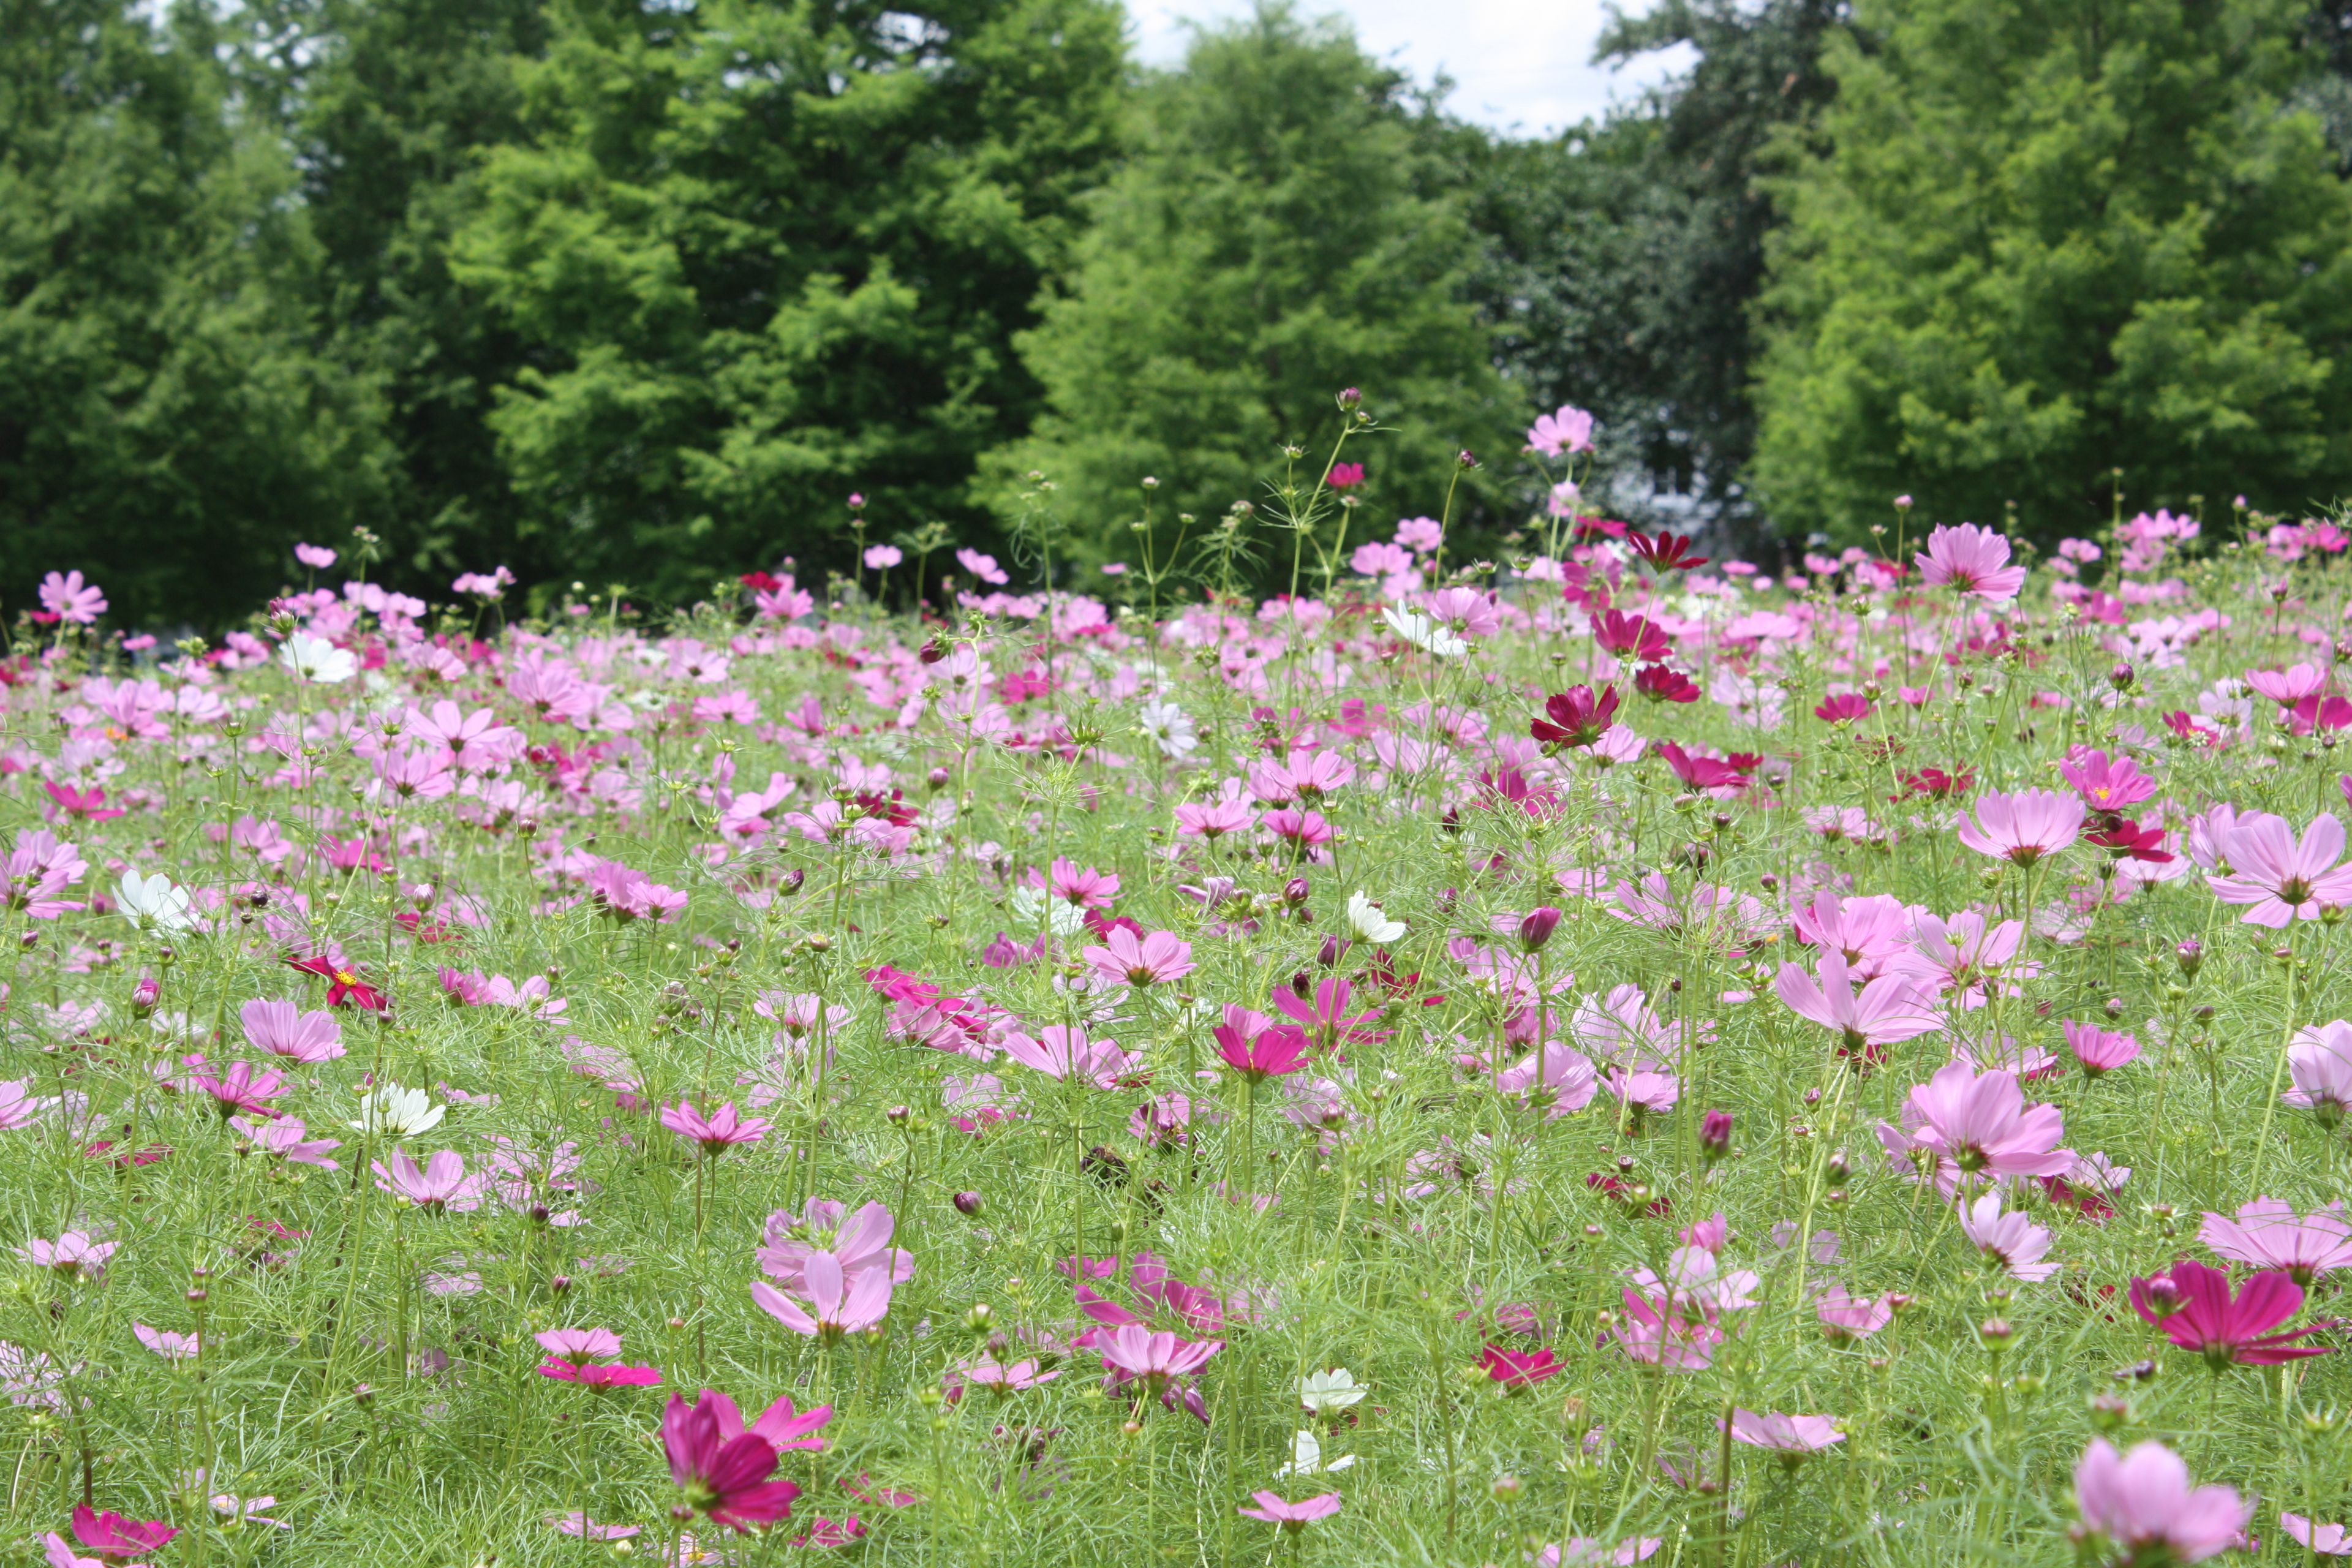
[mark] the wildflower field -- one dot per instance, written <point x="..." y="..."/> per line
<point x="1605" y="1056"/>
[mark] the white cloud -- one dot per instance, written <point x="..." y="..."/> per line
<point x="1520" y="66"/>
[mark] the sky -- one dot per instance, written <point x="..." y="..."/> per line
<point x="1519" y="66"/>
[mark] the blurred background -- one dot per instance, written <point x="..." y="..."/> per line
<point x="639" y="292"/>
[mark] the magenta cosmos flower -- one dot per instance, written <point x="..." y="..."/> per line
<point x="1979" y="1124"/>
<point x="110" y="1534"/>
<point x="1142" y="961"/>
<point x="2021" y="827"/>
<point x="1792" y="1435"/>
<point x="1971" y="560"/>
<point x="2194" y="1310"/>
<point x="2105" y="783"/>
<point x="724" y="1478"/>
<point x="2269" y="1234"/>
<point x="1274" y="1052"/>
<point x="1881" y="1013"/>
<point x="2143" y="1506"/>
<point x="2284" y="880"/>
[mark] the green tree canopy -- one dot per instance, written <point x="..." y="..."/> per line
<point x="1281" y="230"/>
<point x="2045" y="239"/>
<point x="763" y="256"/>
<point x="166" y="422"/>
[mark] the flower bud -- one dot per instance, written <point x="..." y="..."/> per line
<point x="145" y="994"/>
<point x="1536" y="929"/>
<point x="2122" y="676"/>
<point x="1715" y="1135"/>
<point x="1350" y="398"/>
<point x="1509" y="1489"/>
<point x="966" y="1203"/>
<point x="1998" y="1334"/>
<point x="1294" y="890"/>
<point x="897" y="1115"/>
<point x="979" y="1318"/>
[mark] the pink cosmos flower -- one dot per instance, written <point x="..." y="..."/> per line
<point x="1272" y="1509"/>
<point x="1850" y="1317"/>
<point x="2021" y="827"/>
<point x="1062" y="1051"/>
<point x="1869" y="931"/>
<point x="724" y="1476"/>
<point x="1788" y="1435"/>
<point x="1880" y="1013"/>
<point x="580" y="1346"/>
<point x="2011" y="1241"/>
<point x="1961" y="960"/>
<point x="72" y="600"/>
<point x="2104" y="784"/>
<point x="2283" y="880"/>
<point x="1979" y="1124"/>
<point x="441" y="1184"/>
<point x="860" y="1238"/>
<point x="238" y="1090"/>
<point x="718" y="1131"/>
<point x="2194" y="1308"/>
<point x="1842" y="708"/>
<point x="1667" y="1340"/>
<point x="285" y="1137"/>
<point x="1559" y="1079"/>
<point x="2144" y="1508"/>
<point x="166" y="1343"/>
<point x="839" y="1302"/>
<point x="1326" y="1018"/>
<point x="1084" y="886"/>
<point x="1566" y="430"/>
<point x="1971" y="560"/>
<point x="2319" y="1062"/>
<point x="2100" y="1050"/>
<point x="2289" y="686"/>
<point x="1228" y="812"/>
<point x="1132" y="1351"/>
<point x="76" y="1255"/>
<point x="283" y="1029"/>
<point x="2268" y="1234"/>
<point x="1145" y="960"/>
<point x="1302" y="829"/>
<point x="2325" y="1540"/>
<point x="1584" y="1552"/>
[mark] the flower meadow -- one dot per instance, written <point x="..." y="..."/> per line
<point x="1605" y="1056"/>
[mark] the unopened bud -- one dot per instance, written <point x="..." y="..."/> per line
<point x="1715" y="1134"/>
<point x="1536" y="928"/>
<point x="966" y="1203"/>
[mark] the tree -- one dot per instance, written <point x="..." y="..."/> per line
<point x="1280" y="232"/>
<point x="766" y="255"/>
<point x="2045" y="240"/>
<point x="166" y="425"/>
<point x="390" y="106"/>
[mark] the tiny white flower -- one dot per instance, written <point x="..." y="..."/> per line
<point x="401" y="1112"/>
<point x="1423" y="633"/>
<point x="1307" y="1457"/>
<point x="317" y="660"/>
<point x="1032" y="905"/>
<point x="154" y="903"/>
<point x="1170" y="728"/>
<point x="1370" y="921"/>
<point x="1327" y="1393"/>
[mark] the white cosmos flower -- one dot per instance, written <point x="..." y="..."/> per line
<point x="1307" y="1457"/>
<point x="401" y="1112"/>
<point x="1329" y="1393"/>
<point x="1423" y="633"/>
<point x="1032" y="905"/>
<point x="1170" y="728"/>
<point x="1370" y="921"/>
<point x="154" y="903"/>
<point x="317" y="660"/>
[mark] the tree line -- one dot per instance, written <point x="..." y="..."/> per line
<point x="642" y="292"/>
